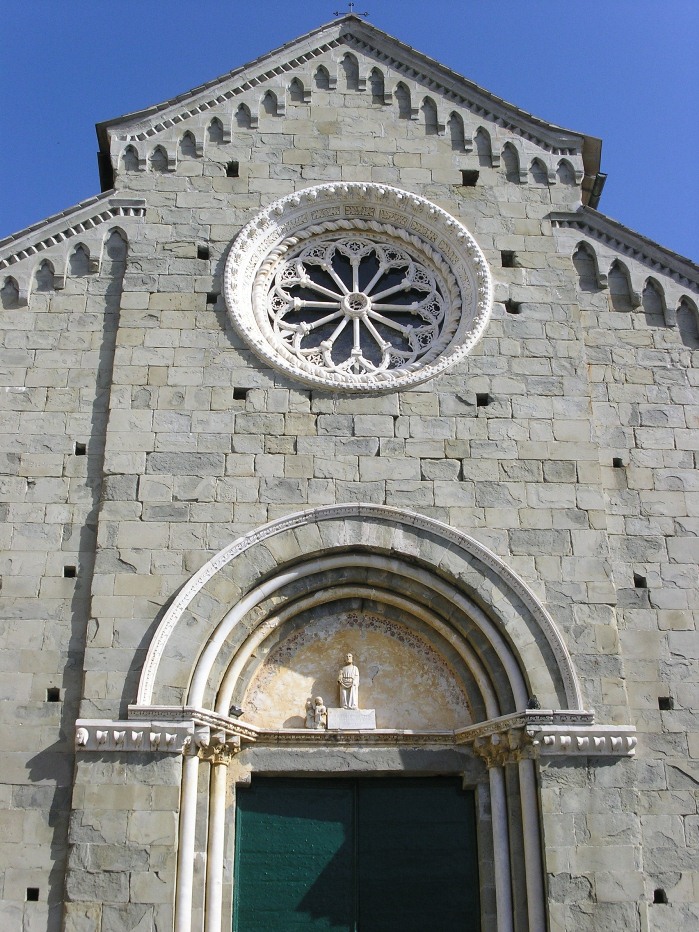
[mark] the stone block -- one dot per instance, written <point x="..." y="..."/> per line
<point x="373" y="425"/>
<point x="607" y="858"/>
<point x="339" y="467"/>
<point x="152" y="828"/>
<point x="619" y="886"/>
<point x="409" y="494"/>
<point x="351" y="719"/>
<point x="283" y="490"/>
<point x="373" y="468"/>
<point x="80" y="917"/>
<point x="193" y="464"/>
<point x="439" y="469"/>
<point x="151" y="887"/>
<point x="97" y="887"/>
<point x="133" y="917"/>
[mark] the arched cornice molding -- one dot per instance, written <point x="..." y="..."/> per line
<point x="259" y="564"/>
<point x="59" y="229"/>
<point x="612" y="240"/>
<point x="385" y="51"/>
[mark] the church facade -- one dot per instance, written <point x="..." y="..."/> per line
<point x="350" y="480"/>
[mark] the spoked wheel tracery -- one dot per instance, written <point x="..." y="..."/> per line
<point x="357" y="287"/>
<point x="356" y="306"/>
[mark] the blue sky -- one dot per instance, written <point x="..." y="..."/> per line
<point x="623" y="70"/>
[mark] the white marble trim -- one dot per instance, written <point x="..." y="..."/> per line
<point x="377" y="513"/>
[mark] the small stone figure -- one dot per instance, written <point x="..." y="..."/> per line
<point x="348" y="678"/>
<point x="316" y="713"/>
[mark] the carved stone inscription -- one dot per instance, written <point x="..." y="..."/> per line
<point x="351" y="719"/>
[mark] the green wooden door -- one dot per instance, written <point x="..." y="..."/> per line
<point x="417" y="859"/>
<point x="295" y="857"/>
<point x="356" y="856"/>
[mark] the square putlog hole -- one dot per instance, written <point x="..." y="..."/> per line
<point x="469" y="177"/>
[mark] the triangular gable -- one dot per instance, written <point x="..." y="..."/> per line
<point x="363" y="37"/>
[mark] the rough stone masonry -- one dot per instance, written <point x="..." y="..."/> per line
<point x="144" y="432"/>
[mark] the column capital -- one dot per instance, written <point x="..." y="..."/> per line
<point x="216" y="753"/>
<point x="506" y="747"/>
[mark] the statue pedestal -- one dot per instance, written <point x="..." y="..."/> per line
<point x="351" y="719"/>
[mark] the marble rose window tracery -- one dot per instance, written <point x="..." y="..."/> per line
<point x="357" y="287"/>
<point x="357" y="306"/>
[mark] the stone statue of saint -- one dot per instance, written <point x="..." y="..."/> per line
<point x="348" y="678"/>
<point x="316" y="713"/>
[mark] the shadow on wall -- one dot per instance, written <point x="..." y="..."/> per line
<point x="53" y="767"/>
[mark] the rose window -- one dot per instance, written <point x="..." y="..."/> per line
<point x="356" y="306"/>
<point x="357" y="287"/>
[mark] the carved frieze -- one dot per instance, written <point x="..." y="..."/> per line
<point x="540" y="734"/>
<point x="547" y="733"/>
<point x="112" y="736"/>
<point x="81" y="219"/>
<point x="173" y="733"/>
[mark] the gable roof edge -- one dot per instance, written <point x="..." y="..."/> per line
<point x="354" y="31"/>
<point x="103" y="127"/>
<point x="74" y="221"/>
<point x="557" y="136"/>
<point x="605" y="230"/>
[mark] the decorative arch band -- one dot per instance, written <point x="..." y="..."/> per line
<point x="478" y="589"/>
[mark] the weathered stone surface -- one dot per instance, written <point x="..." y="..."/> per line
<point x="97" y="887"/>
<point x="351" y="719"/>
<point x="141" y="435"/>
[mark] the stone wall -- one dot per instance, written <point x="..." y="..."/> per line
<point x="57" y="365"/>
<point x="191" y="442"/>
